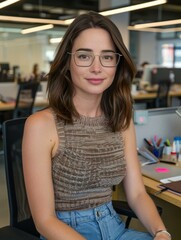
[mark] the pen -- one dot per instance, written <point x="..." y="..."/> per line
<point x="148" y="142"/>
<point x="168" y="142"/>
<point x="159" y="142"/>
<point x="160" y="191"/>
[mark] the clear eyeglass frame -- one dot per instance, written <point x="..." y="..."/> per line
<point x="86" y="59"/>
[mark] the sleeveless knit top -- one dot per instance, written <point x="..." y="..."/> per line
<point x="89" y="161"/>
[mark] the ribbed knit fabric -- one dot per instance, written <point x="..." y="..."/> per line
<point x="89" y="161"/>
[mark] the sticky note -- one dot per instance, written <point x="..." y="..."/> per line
<point x="162" y="170"/>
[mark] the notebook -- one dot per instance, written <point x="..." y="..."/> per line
<point x="174" y="187"/>
<point x="162" y="172"/>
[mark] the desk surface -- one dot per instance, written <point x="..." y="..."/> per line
<point x="39" y="102"/>
<point x="152" y="187"/>
<point x="140" y="95"/>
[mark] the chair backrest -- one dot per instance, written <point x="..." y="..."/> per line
<point x="163" y="93"/>
<point x="25" y="99"/>
<point x="20" y="216"/>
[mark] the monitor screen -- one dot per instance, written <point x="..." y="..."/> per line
<point x="5" y="73"/>
<point x="6" y="78"/>
<point x="4" y="66"/>
<point x="170" y="74"/>
<point x="146" y="77"/>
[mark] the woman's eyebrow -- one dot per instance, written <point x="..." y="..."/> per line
<point x="84" y="49"/>
<point x="90" y="50"/>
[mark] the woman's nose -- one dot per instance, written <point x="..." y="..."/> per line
<point x="96" y="65"/>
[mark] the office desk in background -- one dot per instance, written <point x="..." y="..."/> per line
<point x="143" y="95"/>
<point x="39" y="102"/>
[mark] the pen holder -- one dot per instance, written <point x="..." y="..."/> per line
<point x="167" y="150"/>
<point x="157" y="151"/>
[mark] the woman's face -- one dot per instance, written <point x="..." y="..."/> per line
<point x="95" y="78"/>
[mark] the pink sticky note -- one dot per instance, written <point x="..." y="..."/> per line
<point x="161" y="170"/>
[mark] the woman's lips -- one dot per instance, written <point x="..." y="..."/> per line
<point x="95" y="81"/>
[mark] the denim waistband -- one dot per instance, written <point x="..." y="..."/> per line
<point x="88" y="214"/>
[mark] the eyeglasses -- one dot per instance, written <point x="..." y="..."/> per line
<point x="85" y="59"/>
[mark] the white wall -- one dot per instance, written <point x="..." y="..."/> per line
<point x="147" y="48"/>
<point x="121" y="20"/>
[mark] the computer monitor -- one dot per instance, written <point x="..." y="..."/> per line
<point x="177" y="75"/>
<point x="5" y="74"/>
<point x="170" y="74"/>
<point x="4" y="67"/>
<point x="146" y="77"/>
<point x="4" y="78"/>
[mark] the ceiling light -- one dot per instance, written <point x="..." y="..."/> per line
<point x="37" y="29"/>
<point x="158" y="24"/>
<point x="133" y="7"/>
<point x="7" y="3"/>
<point x="177" y="29"/>
<point x="33" y="20"/>
<point x="55" y="40"/>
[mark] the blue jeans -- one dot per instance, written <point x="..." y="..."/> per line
<point x="100" y="223"/>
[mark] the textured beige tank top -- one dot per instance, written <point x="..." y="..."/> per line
<point x="89" y="161"/>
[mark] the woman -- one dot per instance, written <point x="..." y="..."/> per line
<point x="84" y="143"/>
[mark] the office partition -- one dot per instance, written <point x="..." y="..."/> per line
<point x="163" y="122"/>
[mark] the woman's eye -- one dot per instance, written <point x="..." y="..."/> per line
<point x="107" y="57"/>
<point x="84" y="56"/>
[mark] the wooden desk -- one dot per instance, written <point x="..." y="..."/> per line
<point x="142" y="95"/>
<point x="39" y="102"/>
<point x="152" y="187"/>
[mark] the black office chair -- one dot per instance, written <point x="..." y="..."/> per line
<point x="25" y="99"/>
<point x="162" y="99"/>
<point x="21" y="224"/>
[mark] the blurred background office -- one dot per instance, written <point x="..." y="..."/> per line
<point x="22" y="44"/>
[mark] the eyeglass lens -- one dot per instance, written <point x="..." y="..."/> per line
<point x="85" y="59"/>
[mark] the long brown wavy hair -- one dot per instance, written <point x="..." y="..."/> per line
<point x="116" y="102"/>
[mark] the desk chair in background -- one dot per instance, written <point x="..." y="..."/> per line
<point x="162" y="99"/>
<point x="21" y="224"/>
<point x="20" y="217"/>
<point x="25" y="99"/>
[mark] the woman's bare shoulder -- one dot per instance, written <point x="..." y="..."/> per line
<point x="40" y="119"/>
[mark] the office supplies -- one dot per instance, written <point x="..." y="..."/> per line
<point x="160" y="191"/>
<point x="174" y="187"/>
<point x="149" y="143"/>
<point x="162" y="172"/>
<point x="146" y="157"/>
<point x="178" y="111"/>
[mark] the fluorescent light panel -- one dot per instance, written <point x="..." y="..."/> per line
<point x="68" y="21"/>
<point x="177" y="29"/>
<point x="7" y="3"/>
<point x="32" y="20"/>
<point x="55" y="40"/>
<point x="157" y="24"/>
<point x="133" y="7"/>
<point x="37" y="29"/>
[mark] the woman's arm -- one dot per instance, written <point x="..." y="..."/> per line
<point x="39" y="145"/>
<point x="135" y="191"/>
